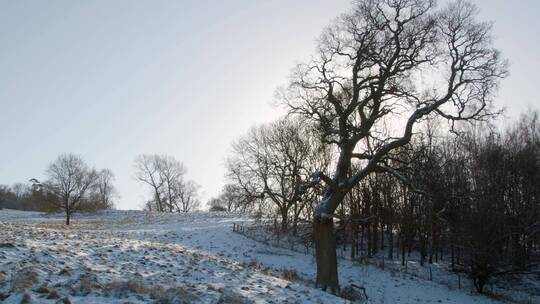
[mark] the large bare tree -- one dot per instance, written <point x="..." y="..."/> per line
<point x="378" y="71"/>
<point x="70" y="179"/>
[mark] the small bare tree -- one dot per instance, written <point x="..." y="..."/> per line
<point x="147" y="170"/>
<point x="272" y="162"/>
<point x="165" y="175"/>
<point x="231" y="198"/>
<point x="70" y="179"/>
<point x="105" y="192"/>
<point x="186" y="196"/>
<point x="171" y="172"/>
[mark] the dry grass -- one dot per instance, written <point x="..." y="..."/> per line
<point x="24" y="278"/>
<point x="290" y="275"/>
<point x="134" y="286"/>
<point x="253" y="264"/>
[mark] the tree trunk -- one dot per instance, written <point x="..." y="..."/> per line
<point x="452" y="258"/>
<point x="402" y="252"/>
<point x="375" y="240"/>
<point x="423" y="250"/>
<point x="382" y="237"/>
<point x="295" y="220"/>
<point x="354" y="241"/>
<point x="325" y="247"/>
<point x="390" y="242"/>
<point x="369" y="240"/>
<point x="323" y="225"/>
<point x="362" y="240"/>
<point x="67" y="207"/>
<point x="284" y="220"/>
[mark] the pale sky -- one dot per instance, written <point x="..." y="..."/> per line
<point x="113" y="79"/>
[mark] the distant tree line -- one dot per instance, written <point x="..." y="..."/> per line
<point x="70" y="186"/>
<point x="20" y="196"/>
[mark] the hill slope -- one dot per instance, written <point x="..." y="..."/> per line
<point x="137" y="257"/>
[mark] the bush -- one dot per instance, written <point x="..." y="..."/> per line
<point x="217" y="208"/>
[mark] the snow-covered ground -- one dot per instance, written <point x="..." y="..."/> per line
<point x="138" y="257"/>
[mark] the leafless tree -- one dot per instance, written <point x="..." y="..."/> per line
<point x="20" y="190"/>
<point x="379" y="70"/>
<point x="70" y="179"/>
<point x="216" y="204"/>
<point x="165" y="175"/>
<point x="4" y="190"/>
<point x="231" y="198"/>
<point x="272" y="163"/>
<point x="186" y="194"/>
<point x="147" y="170"/>
<point x="171" y="172"/>
<point x="104" y="192"/>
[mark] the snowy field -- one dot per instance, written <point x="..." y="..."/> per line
<point x="138" y="257"/>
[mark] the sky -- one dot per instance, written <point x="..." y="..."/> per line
<point x="110" y="80"/>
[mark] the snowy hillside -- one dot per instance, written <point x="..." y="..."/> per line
<point x="137" y="257"/>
